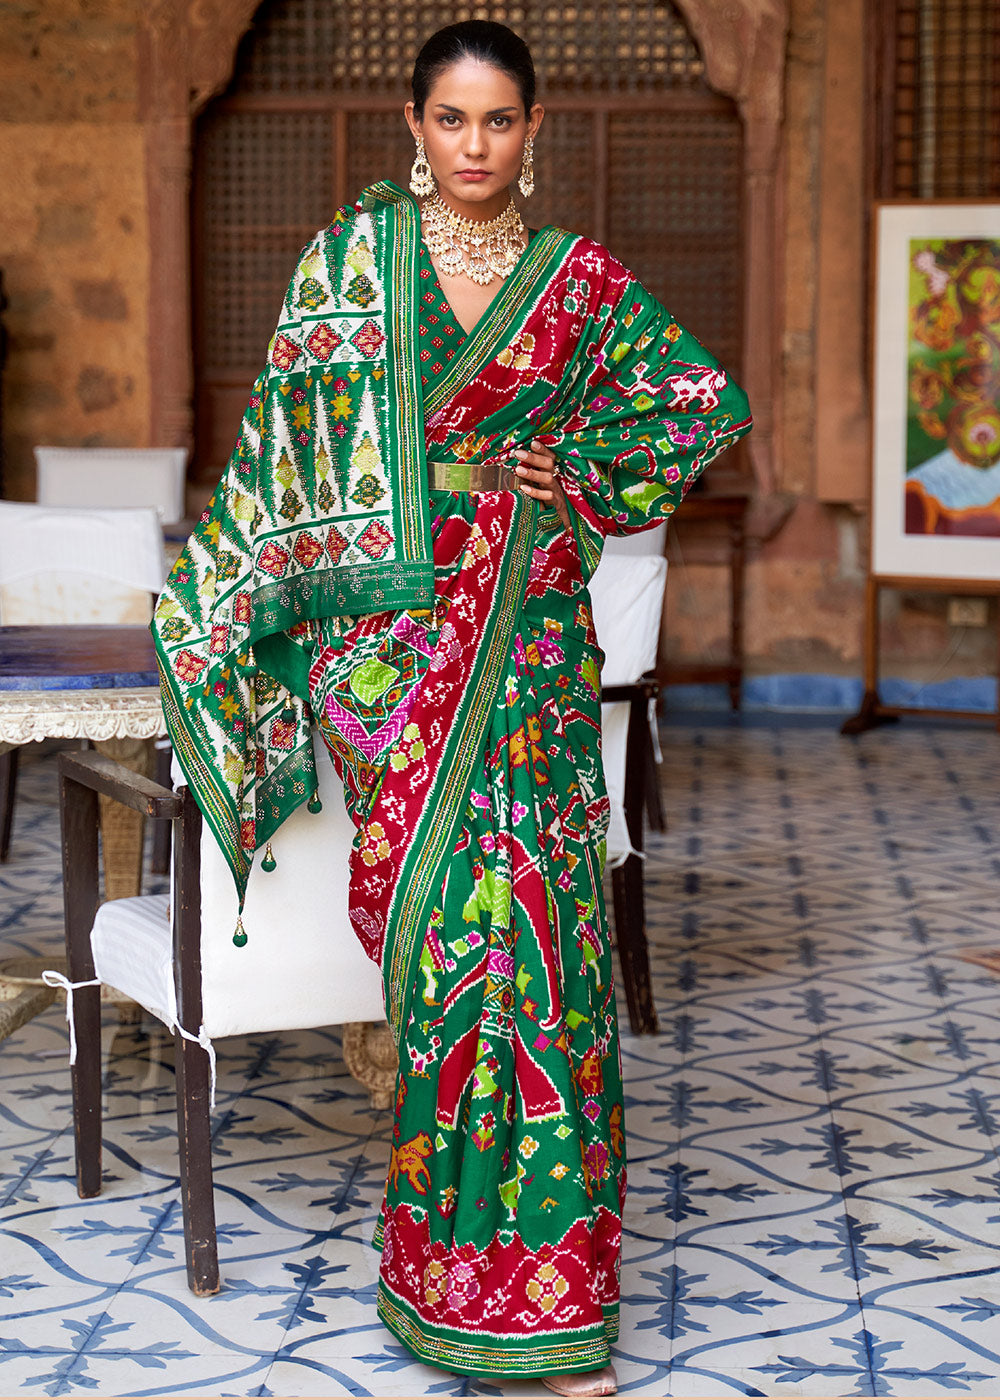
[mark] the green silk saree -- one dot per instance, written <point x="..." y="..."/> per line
<point x="442" y="643"/>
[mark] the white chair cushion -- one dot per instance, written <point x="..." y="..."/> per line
<point x="614" y="734"/>
<point x="133" y="952"/>
<point x="124" y="547"/>
<point x="113" y="476"/>
<point x="645" y="542"/>
<point x="302" y="964"/>
<point x="627" y="596"/>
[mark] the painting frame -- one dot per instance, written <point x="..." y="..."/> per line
<point x="898" y="227"/>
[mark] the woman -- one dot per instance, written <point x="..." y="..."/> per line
<point x="454" y="416"/>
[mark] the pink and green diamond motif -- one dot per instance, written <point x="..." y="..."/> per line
<point x="368" y="339"/>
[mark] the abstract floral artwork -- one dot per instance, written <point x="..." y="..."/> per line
<point x="937" y="391"/>
<point x="953" y="412"/>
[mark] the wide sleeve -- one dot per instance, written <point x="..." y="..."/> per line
<point x="647" y="410"/>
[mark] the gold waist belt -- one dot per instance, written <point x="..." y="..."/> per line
<point x="471" y="476"/>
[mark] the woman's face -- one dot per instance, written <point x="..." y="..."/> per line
<point x="474" y="128"/>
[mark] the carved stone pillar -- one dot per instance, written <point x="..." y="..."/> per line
<point x="186" y="50"/>
<point x="743" y="44"/>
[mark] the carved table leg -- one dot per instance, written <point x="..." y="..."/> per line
<point x="370" y="1056"/>
<point x="121" y="828"/>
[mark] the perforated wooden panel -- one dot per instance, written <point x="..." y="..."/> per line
<point x="319" y="46"/>
<point x="265" y="183"/>
<point x="635" y="151"/>
<point x="674" y="216"/>
<point x="940" y="126"/>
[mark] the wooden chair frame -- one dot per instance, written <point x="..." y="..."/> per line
<point x="642" y="798"/>
<point x="82" y="777"/>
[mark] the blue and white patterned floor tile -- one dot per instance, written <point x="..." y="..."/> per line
<point x="814" y="1138"/>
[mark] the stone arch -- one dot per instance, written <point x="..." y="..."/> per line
<point x="187" y="54"/>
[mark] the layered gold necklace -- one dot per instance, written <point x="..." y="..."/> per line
<point x="478" y="249"/>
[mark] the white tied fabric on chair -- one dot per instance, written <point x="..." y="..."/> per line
<point x="113" y="476"/>
<point x="627" y="596"/>
<point x="60" y="565"/>
<point x="302" y="964"/>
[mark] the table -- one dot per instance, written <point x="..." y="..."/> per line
<point x="96" y="683"/>
<point x="729" y="512"/>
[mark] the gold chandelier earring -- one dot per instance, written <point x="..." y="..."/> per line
<point x="421" y="175"/>
<point x="526" y="181"/>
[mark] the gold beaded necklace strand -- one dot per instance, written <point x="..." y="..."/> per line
<point x="477" y="249"/>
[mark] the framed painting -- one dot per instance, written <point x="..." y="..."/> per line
<point x="936" y="362"/>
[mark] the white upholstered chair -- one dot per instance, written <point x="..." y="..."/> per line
<point x="113" y="476"/>
<point x="301" y="966"/>
<point x="71" y="567"/>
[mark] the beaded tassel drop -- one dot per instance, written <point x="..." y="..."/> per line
<point x="240" y="936"/>
<point x="314" y="804"/>
<point x="268" y="863"/>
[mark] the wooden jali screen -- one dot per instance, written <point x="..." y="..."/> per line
<point x="636" y="151"/>
<point x="937" y="87"/>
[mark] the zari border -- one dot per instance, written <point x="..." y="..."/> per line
<point x="535" y="268"/>
<point x="418" y="878"/>
<point x="523" y="1356"/>
<point x="400" y="226"/>
<point x="335" y="592"/>
<point x="213" y="798"/>
<point x="299" y="766"/>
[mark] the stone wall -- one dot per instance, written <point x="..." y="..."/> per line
<point x="74" y="236"/>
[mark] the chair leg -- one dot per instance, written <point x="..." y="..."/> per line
<point x="8" y="791"/>
<point x="86" y="1080"/>
<point x="654" y="801"/>
<point x="194" y="1141"/>
<point x="633" y="950"/>
<point x="627" y="881"/>
<point x="78" y="808"/>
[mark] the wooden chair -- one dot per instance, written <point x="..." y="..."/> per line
<point x="183" y="967"/>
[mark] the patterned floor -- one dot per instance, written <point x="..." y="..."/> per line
<point x="815" y="1202"/>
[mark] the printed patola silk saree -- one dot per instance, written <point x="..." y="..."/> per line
<point x="442" y="642"/>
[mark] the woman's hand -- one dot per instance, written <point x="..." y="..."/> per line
<point x="539" y="474"/>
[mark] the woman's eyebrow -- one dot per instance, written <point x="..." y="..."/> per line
<point x="496" y="112"/>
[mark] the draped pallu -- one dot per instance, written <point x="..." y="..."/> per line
<point x="443" y="643"/>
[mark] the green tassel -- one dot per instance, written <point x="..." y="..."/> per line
<point x="268" y="863"/>
<point x="315" y="805"/>
<point x="240" y="936"/>
<point x="288" y="715"/>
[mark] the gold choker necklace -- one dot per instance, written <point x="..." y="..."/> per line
<point x="477" y="249"/>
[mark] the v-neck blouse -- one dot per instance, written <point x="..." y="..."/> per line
<point x="439" y="333"/>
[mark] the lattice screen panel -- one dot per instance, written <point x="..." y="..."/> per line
<point x="674" y="216"/>
<point x="319" y="46"/>
<point x="265" y="182"/>
<point x="941" y="135"/>
<point x="379" y="147"/>
<point x="564" y="174"/>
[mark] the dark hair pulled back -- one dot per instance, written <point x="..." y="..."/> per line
<point x="481" y="39"/>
